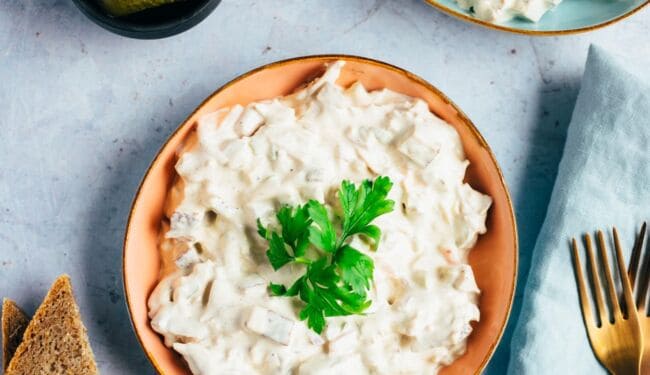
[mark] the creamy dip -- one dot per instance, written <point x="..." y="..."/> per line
<point x="212" y="305"/>
<point x="504" y="10"/>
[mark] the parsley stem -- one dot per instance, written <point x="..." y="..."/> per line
<point x="341" y="241"/>
<point x="302" y="260"/>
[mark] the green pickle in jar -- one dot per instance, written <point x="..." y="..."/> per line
<point x="125" y="7"/>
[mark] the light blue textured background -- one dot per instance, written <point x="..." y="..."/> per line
<point x="83" y="111"/>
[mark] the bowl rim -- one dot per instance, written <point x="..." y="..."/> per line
<point x="364" y="60"/>
<point x="465" y="17"/>
<point x="166" y="30"/>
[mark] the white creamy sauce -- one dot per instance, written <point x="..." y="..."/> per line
<point x="504" y="10"/>
<point x="212" y="304"/>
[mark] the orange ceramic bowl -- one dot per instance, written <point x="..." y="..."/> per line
<point x="494" y="258"/>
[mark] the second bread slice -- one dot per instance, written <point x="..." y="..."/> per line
<point x="55" y="341"/>
<point x="14" y="322"/>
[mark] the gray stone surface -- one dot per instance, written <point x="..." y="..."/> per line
<point x="83" y="111"/>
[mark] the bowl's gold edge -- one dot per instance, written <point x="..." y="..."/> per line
<point x="494" y="26"/>
<point x="411" y="76"/>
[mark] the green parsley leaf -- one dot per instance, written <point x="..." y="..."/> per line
<point x="261" y="230"/>
<point x="314" y="316"/>
<point x="321" y="235"/>
<point x="277" y="289"/>
<point x="356" y="269"/>
<point x="363" y="205"/>
<point x="277" y="252"/>
<point x="294" y="222"/>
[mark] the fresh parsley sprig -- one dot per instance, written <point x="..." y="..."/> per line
<point x="337" y="282"/>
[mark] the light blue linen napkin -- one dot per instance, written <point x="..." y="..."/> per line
<point x="603" y="180"/>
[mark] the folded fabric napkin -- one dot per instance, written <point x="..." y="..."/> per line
<point x="603" y="180"/>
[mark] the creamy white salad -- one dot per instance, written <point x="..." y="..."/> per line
<point x="212" y="304"/>
<point x="504" y="10"/>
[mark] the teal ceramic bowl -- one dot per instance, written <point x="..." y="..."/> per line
<point x="570" y="16"/>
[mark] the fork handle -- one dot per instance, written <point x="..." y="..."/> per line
<point x="628" y="369"/>
<point x="645" y="367"/>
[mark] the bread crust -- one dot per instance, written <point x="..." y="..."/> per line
<point x="14" y="323"/>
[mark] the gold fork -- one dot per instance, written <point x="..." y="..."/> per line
<point x="641" y="290"/>
<point x="616" y="341"/>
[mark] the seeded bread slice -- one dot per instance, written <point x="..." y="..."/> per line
<point x="55" y="341"/>
<point x="14" y="322"/>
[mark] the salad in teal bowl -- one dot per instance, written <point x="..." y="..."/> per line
<point x="541" y="17"/>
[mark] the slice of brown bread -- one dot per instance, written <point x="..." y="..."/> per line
<point x="55" y="341"/>
<point x="14" y="322"/>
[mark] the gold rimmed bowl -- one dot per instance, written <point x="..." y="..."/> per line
<point x="493" y="259"/>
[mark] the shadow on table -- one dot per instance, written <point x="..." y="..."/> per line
<point x="540" y="169"/>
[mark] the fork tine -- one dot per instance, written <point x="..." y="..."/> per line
<point x="625" y="282"/>
<point x="611" y="287"/>
<point x="633" y="268"/>
<point x="644" y="277"/>
<point x="595" y="278"/>
<point x="582" y="287"/>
